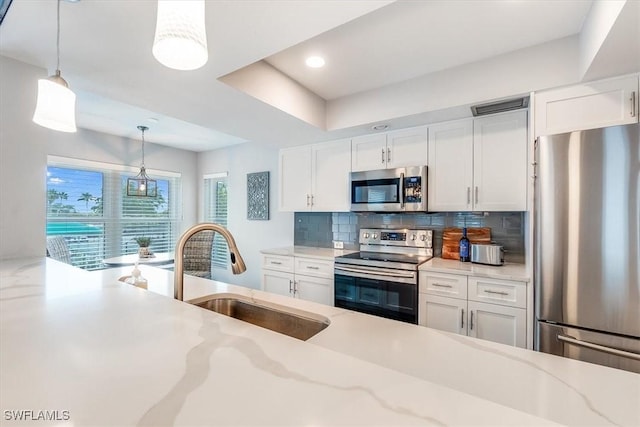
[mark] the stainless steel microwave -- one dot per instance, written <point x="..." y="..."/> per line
<point x="389" y="190"/>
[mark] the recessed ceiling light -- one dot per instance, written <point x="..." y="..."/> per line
<point x="315" y="61"/>
<point x="380" y="127"/>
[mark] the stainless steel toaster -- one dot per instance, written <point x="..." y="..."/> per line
<point x="487" y="254"/>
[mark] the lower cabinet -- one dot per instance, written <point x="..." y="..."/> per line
<point x="305" y="278"/>
<point x="490" y="309"/>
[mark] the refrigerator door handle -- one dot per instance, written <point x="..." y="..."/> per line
<point x="571" y="340"/>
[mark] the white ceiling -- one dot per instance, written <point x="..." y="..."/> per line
<point x="409" y="39"/>
<point x="106" y="57"/>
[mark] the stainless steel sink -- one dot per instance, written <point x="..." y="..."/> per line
<point x="292" y="322"/>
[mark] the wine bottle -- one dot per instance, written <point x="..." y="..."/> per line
<point x="465" y="256"/>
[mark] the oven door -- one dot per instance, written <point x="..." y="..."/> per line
<point x="380" y="292"/>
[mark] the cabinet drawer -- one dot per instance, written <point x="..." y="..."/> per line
<point x="495" y="291"/>
<point x="451" y="285"/>
<point x="278" y="262"/>
<point x="314" y="267"/>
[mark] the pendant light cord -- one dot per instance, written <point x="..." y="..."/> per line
<point x="142" y="147"/>
<point x="58" y="41"/>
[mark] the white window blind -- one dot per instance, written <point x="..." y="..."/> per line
<point x="216" y="210"/>
<point x="87" y="205"/>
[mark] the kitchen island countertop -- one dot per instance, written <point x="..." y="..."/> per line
<point x="112" y="354"/>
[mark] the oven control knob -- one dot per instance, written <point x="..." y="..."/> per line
<point x="375" y="236"/>
<point x="423" y="237"/>
<point x="366" y="235"/>
<point x="414" y="237"/>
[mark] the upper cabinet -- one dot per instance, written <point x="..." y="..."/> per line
<point x="479" y="164"/>
<point x="500" y="162"/>
<point x="315" y="177"/>
<point x="405" y="147"/>
<point x="592" y="105"/>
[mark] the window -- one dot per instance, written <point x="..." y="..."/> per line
<point x="87" y="205"/>
<point x="215" y="210"/>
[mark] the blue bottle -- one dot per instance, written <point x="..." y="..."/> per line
<point x="465" y="255"/>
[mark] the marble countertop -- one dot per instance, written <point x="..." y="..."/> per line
<point x="112" y="354"/>
<point x="308" y="252"/>
<point x="508" y="271"/>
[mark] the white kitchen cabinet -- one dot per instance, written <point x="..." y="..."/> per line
<point x="298" y="277"/>
<point x="450" y="171"/>
<point x="315" y="177"/>
<point x="277" y="282"/>
<point x="485" y="308"/>
<point x="500" y="162"/>
<point x="506" y="325"/>
<point x="591" y="105"/>
<point x="443" y="313"/>
<point x="479" y="164"/>
<point x="401" y="148"/>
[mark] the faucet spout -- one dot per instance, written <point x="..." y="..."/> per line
<point x="237" y="263"/>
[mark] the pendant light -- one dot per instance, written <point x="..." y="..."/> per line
<point x="142" y="185"/>
<point x="56" y="104"/>
<point x="181" y="40"/>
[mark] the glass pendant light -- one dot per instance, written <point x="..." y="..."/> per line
<point x="142" y="185"/>
<point x="56" y="104"/>
<point x="181" y="40"/>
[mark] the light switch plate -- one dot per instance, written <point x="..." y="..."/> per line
<point x="338" y="245"/>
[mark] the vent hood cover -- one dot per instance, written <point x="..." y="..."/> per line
<point x="500" y="106"/>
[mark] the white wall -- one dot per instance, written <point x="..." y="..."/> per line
<point x="250" y="236"/>
<point x="517" y="73"/>
<point x="24" y="147"/>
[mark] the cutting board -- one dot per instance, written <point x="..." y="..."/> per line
<point x="451" y="240"/>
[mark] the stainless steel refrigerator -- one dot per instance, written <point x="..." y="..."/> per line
<point x="587" y="246"/>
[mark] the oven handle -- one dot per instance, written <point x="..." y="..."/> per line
<point x="377" y="273"/>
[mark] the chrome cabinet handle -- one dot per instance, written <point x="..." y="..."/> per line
<point x="312" y="200"/>
<point x="471" y="322"/>
<point x="461" y="318"/>
<point x="383" y="156"/>
<point x="633" y="104"/>
<point x="290" y="286"/>
<point x="388" y="155"/>
<point x="496" y="292"/>
<point x="276" y="262"/>
<point x="402" y="190"/>
<point x="476" y="194"/>
<point x="571" y="340"/>
<point x="295" y="287"/>
<point x="308" y="200"/>
<point x="468" y="195"/>
<point x="442" y="286"/>
<point x="311" y="267"/>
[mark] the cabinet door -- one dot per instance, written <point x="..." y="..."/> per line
<point x="450" y="170"/>
<point x="407" y="147"/>
<point x="277" y="282"/>
<point x="295" y="179"/>
<point x="506" y="325"/>
<point x="369" y="152"/>
<point x="331" y="164"/>
<point x="314" y="289"/>
<point x="445" y="314"/>
<point x="500" y="162"/>
<point x="593" y="105"/>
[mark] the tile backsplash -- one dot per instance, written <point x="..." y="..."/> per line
<point x="322" y="228"/>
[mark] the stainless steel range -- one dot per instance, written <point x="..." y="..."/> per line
<point x="382" y="279"/>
